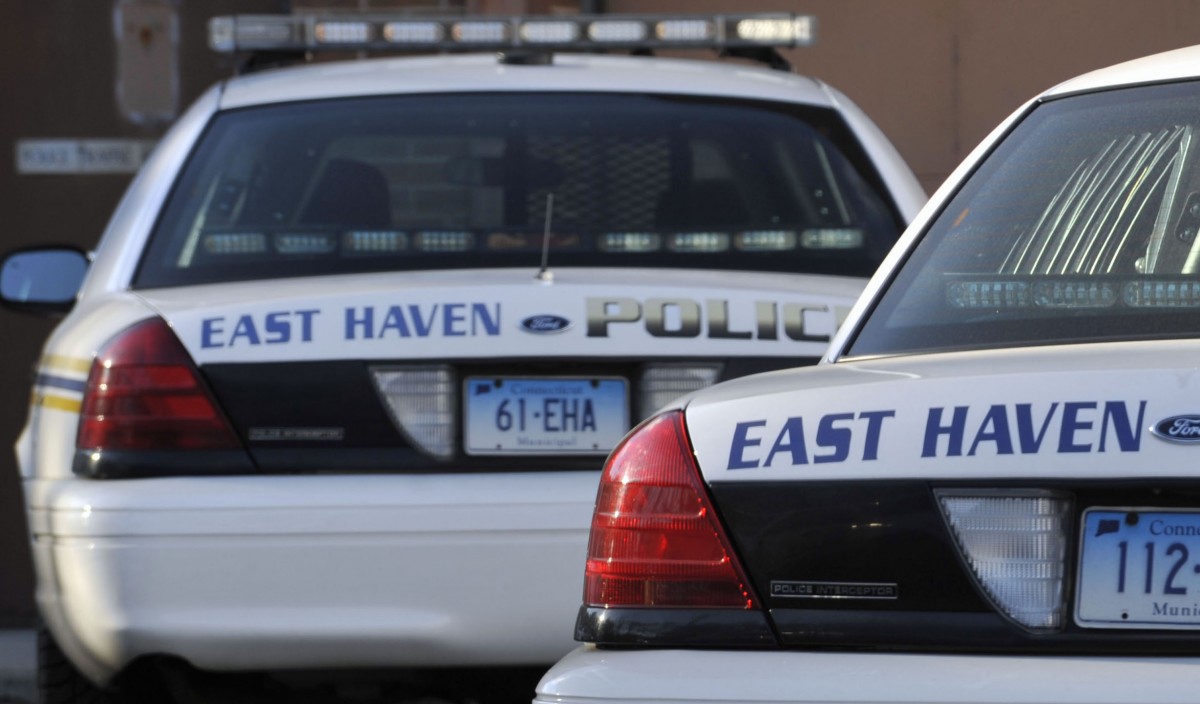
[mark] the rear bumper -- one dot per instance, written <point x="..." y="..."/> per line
<point x="287" y="573"/>
<point x="593" y="676"/>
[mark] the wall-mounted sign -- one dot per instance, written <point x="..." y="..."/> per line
<point x="147" y="42"/>
<point x="81" y="156"/>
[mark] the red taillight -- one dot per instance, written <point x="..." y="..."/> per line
<point x="655" y="538"/>
<point x="144" y="393"/>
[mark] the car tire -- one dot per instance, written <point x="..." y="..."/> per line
<point x="58" y="680"/>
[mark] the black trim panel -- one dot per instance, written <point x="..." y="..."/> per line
<point x="674" y="627"/>
<point x="881" y="533"/>
<point x="893" y="533"/>
<point x="341" y="425"/>
<point x="961" y="632"/>
<point x="109" y="464"/>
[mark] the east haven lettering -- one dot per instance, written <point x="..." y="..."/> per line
<point x="371" y="322"/>
<point x="1066" y="427"/>
<point x="1002" y="429"/>
<point x="832" y="439"/>
<point x="444" y="319"/>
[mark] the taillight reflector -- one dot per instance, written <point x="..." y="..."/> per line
<point x="655" y="538"/>
<point x="144" y="393"/>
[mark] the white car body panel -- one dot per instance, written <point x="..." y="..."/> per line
<point x="1179" y="64"/>
<point x="896" y="418"/>
<point x="592" y="676"/>
<point x="247" y="573"/>
<point x="438" y="314"/>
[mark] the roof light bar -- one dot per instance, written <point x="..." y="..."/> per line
<point x="393" y="32"/>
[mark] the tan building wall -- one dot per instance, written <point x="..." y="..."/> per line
<point x="936" y="75"/>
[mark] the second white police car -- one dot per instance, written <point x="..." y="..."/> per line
<point x="336" y="390"/>
<point x="990" y="490"/>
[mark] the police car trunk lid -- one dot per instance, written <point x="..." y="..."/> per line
<point x="832" y="483"/>
<point x="370" y="372"/>
<point x="1070" y="411"/>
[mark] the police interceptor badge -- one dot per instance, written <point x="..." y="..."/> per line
<point x="1181" y="429"/>
<point x="835" y="590"/>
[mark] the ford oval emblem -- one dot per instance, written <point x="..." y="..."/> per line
<point x="1178" y="429"/>
<point x="544" y="324"/>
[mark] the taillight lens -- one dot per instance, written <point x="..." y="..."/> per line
<point x="655" y="539"/>
<point x="144" y="393"/>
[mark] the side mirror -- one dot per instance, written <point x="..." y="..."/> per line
<point x="43" y="280"/>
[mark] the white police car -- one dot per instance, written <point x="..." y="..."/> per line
<point x="988" y="493"/>
<point x="336" y="390"/>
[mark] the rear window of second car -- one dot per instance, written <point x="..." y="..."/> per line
<point x="1082" y="225"/>
<point x="404" y="183"/>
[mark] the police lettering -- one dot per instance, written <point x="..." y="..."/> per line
<point x="834" y="437"/>
<point x="687" y="318"/>
<point x="273" y="328"/>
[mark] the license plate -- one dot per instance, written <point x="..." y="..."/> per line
<point x="1139" y="568"/>
<point x="534" y="416"/>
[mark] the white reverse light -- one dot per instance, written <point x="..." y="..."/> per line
<point x="662" y="383"/>
<point x="422" y="405"/>
<point x="1016" y="544"/>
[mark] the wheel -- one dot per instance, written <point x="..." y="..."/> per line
<point x="58" y="681"/>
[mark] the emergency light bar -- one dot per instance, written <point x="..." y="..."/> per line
<point x="381" y="32"/>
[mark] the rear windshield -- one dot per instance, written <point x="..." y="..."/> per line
<point x="1081" y="226"/>
<point x="474" y="181"/>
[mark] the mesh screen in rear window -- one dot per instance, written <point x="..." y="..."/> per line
<point x="465" y="181"/>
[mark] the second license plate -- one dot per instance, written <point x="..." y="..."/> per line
<point x="534" y="416"/>
<point x="1139" y="568"/>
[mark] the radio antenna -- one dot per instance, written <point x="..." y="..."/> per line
<point x="544" y="274"/>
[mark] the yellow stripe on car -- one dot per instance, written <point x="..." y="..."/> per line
<point x="66" y="364"/>
<point x="58" y="403"/>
